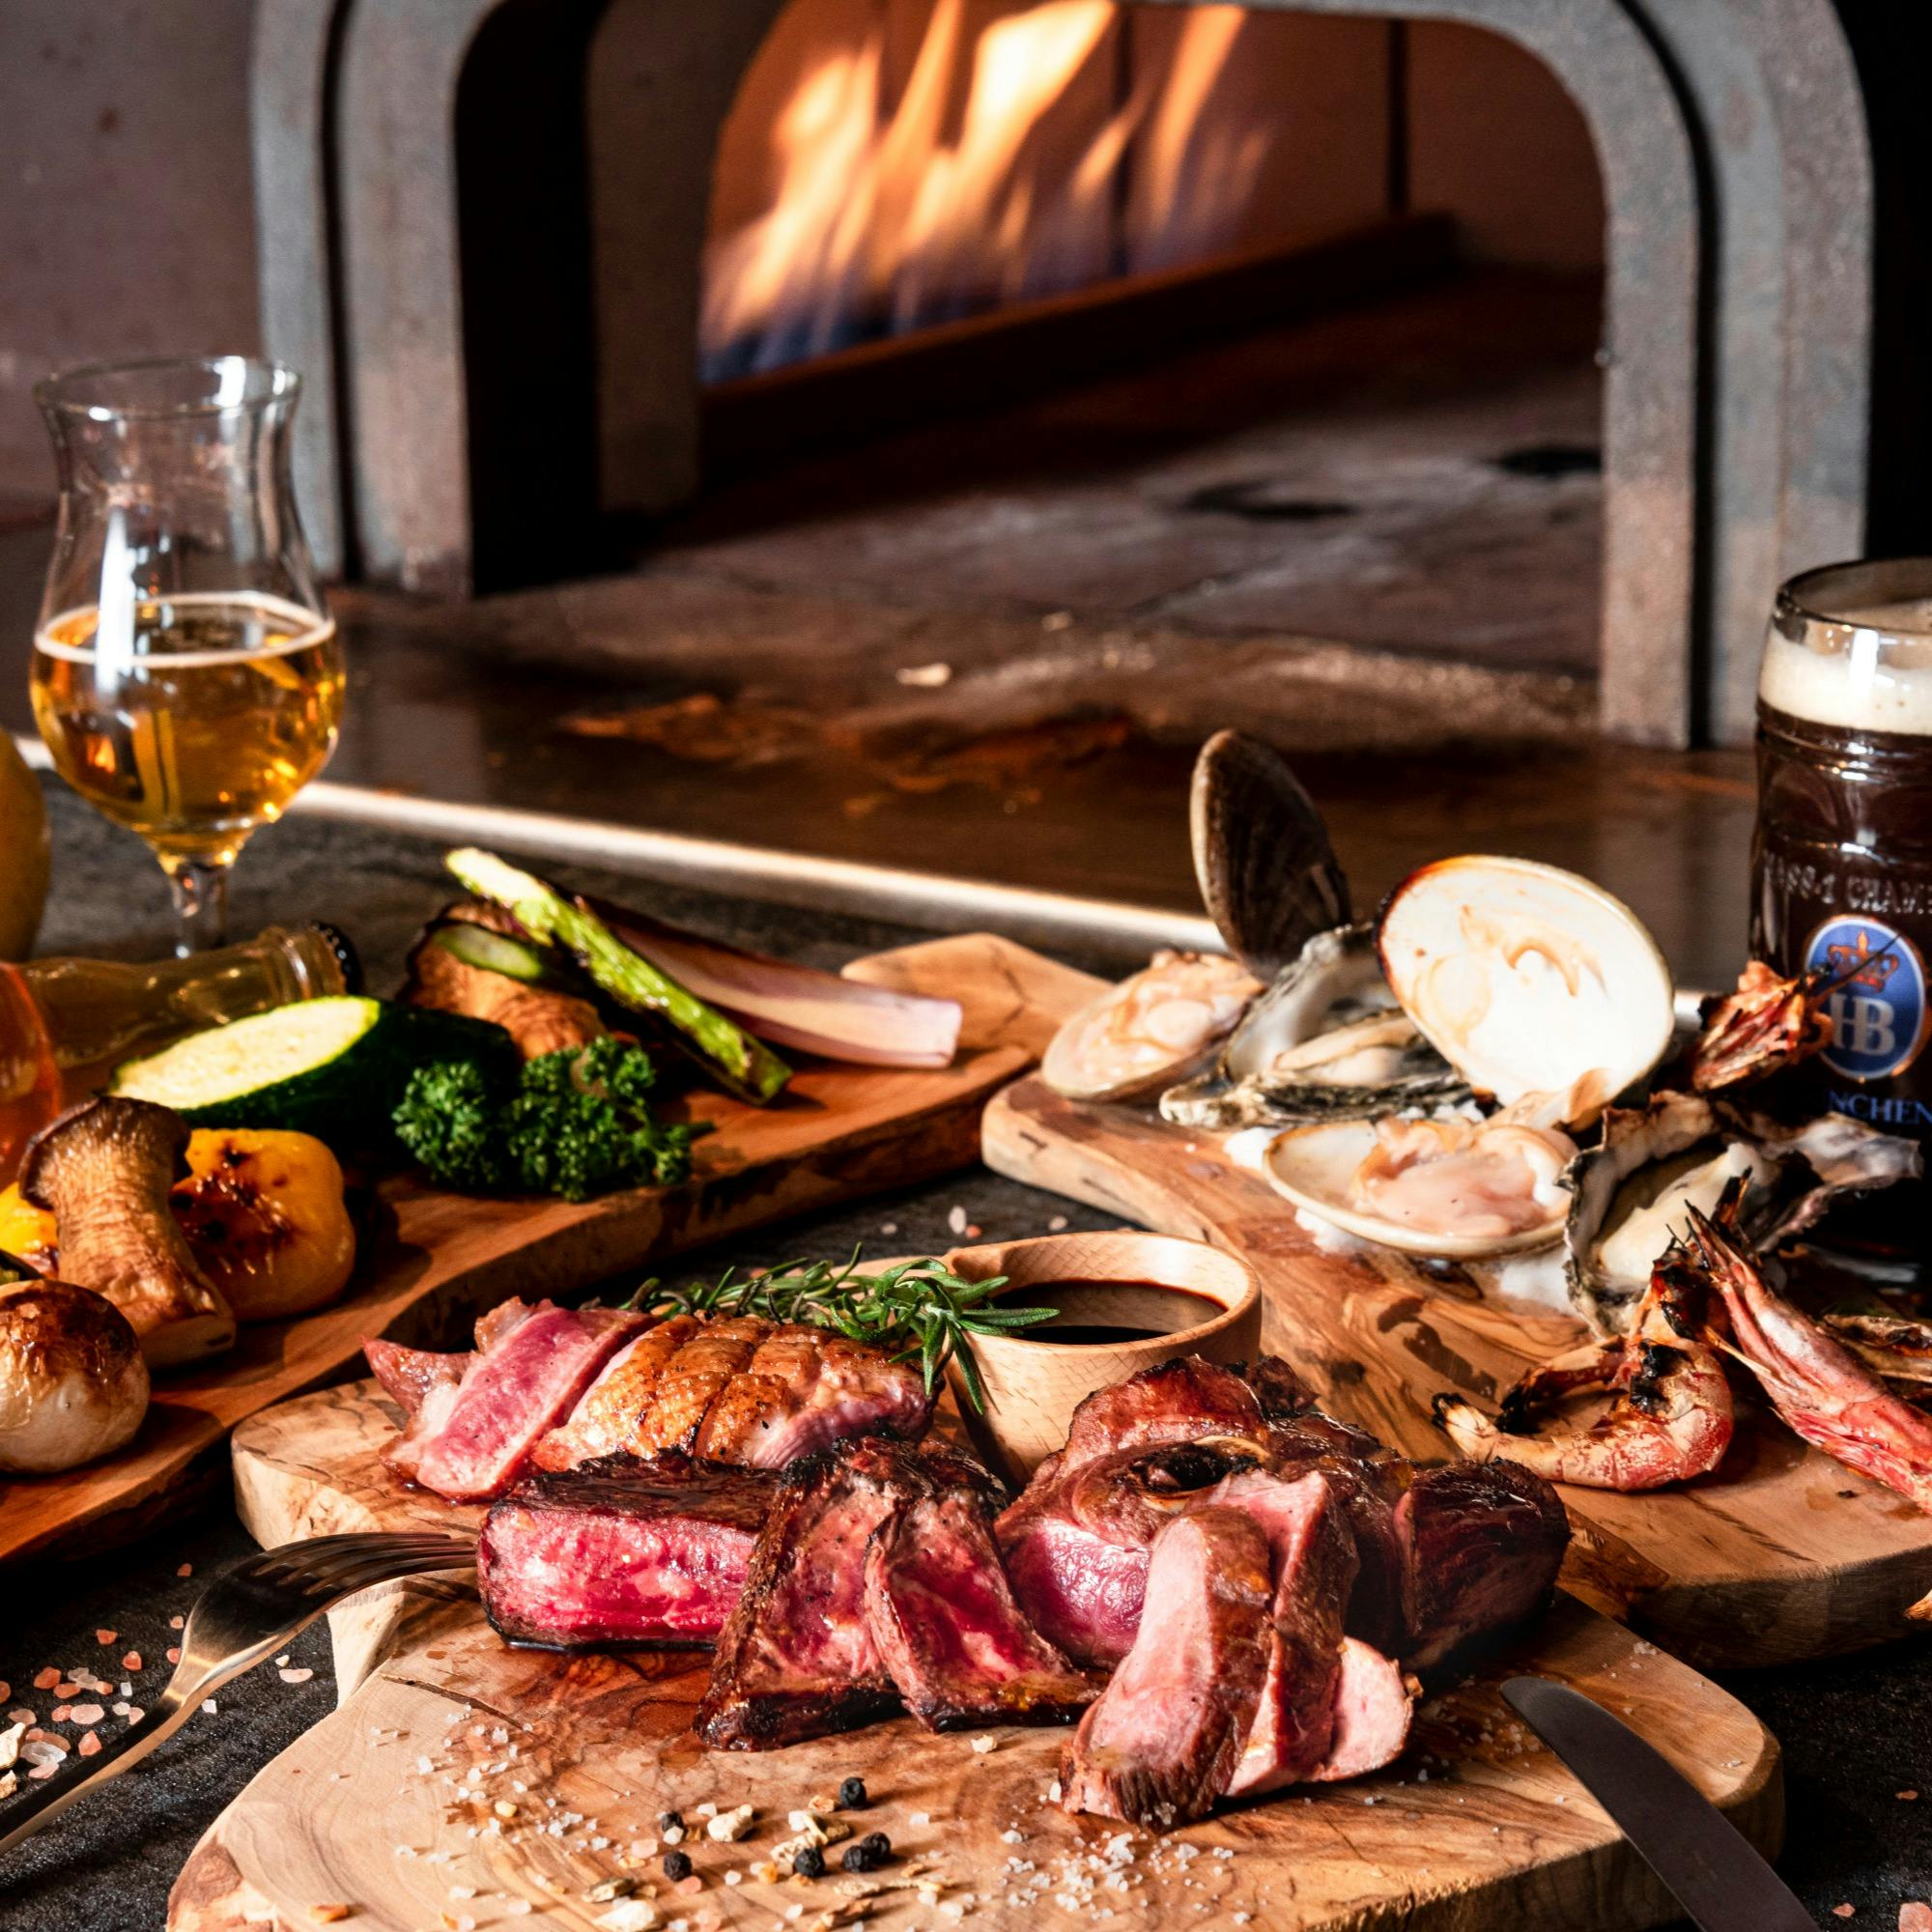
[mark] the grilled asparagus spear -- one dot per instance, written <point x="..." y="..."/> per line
<point x="746" y="1065"/>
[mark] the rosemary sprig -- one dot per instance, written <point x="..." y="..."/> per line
<point x="919" y="1309"/>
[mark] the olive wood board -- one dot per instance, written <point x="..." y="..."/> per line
<point x="1498" y="1836"/>
<point x="1779" y="1555"/>
<point x="431" y="1258"/>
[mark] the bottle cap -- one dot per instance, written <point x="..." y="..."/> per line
<point x="343" y="947"/>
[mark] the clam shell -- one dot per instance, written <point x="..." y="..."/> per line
<point x="1313" y="1167"/>
<point x="1528" y="979"/>
<point x="1267" y="873"/>
<point x="1137" y="1037"/>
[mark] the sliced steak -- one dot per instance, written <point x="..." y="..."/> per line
<point x="797" y="1656"/>
<point x="946" y="1627"/>
<point x="1484" y="1543"/>
<point x="408" y="1376"/>
<point x="470" y="1442"/>
<point x="805" y="1388"/>
<point x="1164" y="1739"/>
<point x="1313" y="1553"/>
<point x="602" y="1422"/>
<point x="630" y="1552"/>
<point x="1372" y="1708"/>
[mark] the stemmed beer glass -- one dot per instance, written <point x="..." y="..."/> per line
<point x="187" y="678"/>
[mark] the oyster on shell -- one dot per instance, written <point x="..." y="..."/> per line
<point x="1267" y="873"/>
<point x="1537" y="989"/>
<point x="1325" y="1042"/>
<point x="1153" y="1026"/>
<point x="1633" y="1189"/>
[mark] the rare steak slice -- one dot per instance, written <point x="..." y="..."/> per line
<point x="946" y="1627"/>
<point x="1484" y="1543"/>
<point x="797" y="1658"/>
<point x="1162" y="1742"/>
<point x="470" y="1442"/>
<point x="625" y="1552"/>
<point x="1313" y="1553"/>
<point x="1373" y="1705"/>
<point x="805" y="1388"/>
<point x="604" y="1420"/>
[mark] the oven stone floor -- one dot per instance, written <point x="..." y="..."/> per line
<point x="989" y="649"/>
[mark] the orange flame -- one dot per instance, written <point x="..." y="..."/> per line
<point x="902" y="216"/>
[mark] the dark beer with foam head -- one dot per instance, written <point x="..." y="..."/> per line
<point x="1841" y="864"/>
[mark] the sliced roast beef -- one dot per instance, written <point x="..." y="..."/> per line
<point x="1373" y="1702"/>
<point x="1314" y="1560"/>
<point x="946" y="1627"/>
<point x="626" y="1553"/>
<point x="470" y="1442"/>
<point x="797" y="1658"/>
<point x="1165" y="1737"/>
<point x="1483" y="1541"/>
<point x="1441" y="1553"/>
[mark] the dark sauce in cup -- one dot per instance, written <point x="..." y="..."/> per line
<point x="1101" y="1313"/>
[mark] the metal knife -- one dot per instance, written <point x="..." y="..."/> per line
<point x="1710" y="1867"/>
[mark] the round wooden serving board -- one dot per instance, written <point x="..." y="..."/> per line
<point x="377" y="1808"/>
<point x="1781" y="1554"/>
<point x="431" y="1259"/>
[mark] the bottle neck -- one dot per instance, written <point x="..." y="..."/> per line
<point x="100" y="1010"/>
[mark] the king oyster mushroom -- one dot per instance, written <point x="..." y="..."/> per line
<point x="1267" y="873"/>
<point x="1325" y="1042"/>
<point x="1140" y="1035"/>
<point x="105" y="1169"/>
<point x="1544" y="993"/>
<point x="1632" y="1191"/>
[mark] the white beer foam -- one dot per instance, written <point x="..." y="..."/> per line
<point x="1879" y="681"/>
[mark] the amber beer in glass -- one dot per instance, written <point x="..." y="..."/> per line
<point x="1842" y="857"/>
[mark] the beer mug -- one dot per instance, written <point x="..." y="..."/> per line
<point x="1841" y="860"/>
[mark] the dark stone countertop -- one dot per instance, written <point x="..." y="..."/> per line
<point x="1856" y="1731"/>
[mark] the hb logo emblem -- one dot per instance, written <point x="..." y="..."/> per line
<point x="1878" y="1002"/>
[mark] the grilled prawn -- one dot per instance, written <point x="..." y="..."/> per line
<point x="1670" y="1415"/>
<point x="1768" y="1024"/>
<point x="1817" y="1385"/>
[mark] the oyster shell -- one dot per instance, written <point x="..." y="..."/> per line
<point x="1631" y="1190"/>
<point x="1137" y="1037"/>
<point x="1457" y="1188"/>
<point x="1531" y="980"/>
<point x="1326" y="1042"/>
<point x="1267" y="873"/>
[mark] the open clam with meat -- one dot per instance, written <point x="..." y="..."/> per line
<point x="1491" y="1077"/>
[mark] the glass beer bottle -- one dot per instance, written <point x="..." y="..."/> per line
<point x="1842" y="854"/>
<point x="66" y="1023"/>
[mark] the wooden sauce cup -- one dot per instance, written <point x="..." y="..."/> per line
<point x="1034" y="1385"/>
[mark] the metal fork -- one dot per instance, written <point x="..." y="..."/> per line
<point x="241" y="1618"/>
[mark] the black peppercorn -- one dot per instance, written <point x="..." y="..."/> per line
<point x="808" y="1863"/>
<point x="670" y="1821"/>
<point x="676" y="1865"/>
<point x="869" y="1853"/>
<point x="852" y="1795"/>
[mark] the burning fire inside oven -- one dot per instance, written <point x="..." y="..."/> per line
<point x="1017" y="159"/>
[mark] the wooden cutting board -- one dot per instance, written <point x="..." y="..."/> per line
<point x="431" y="1259"/>
<point x="376" y="1808"/>
<point x="1780" y="1554"/>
